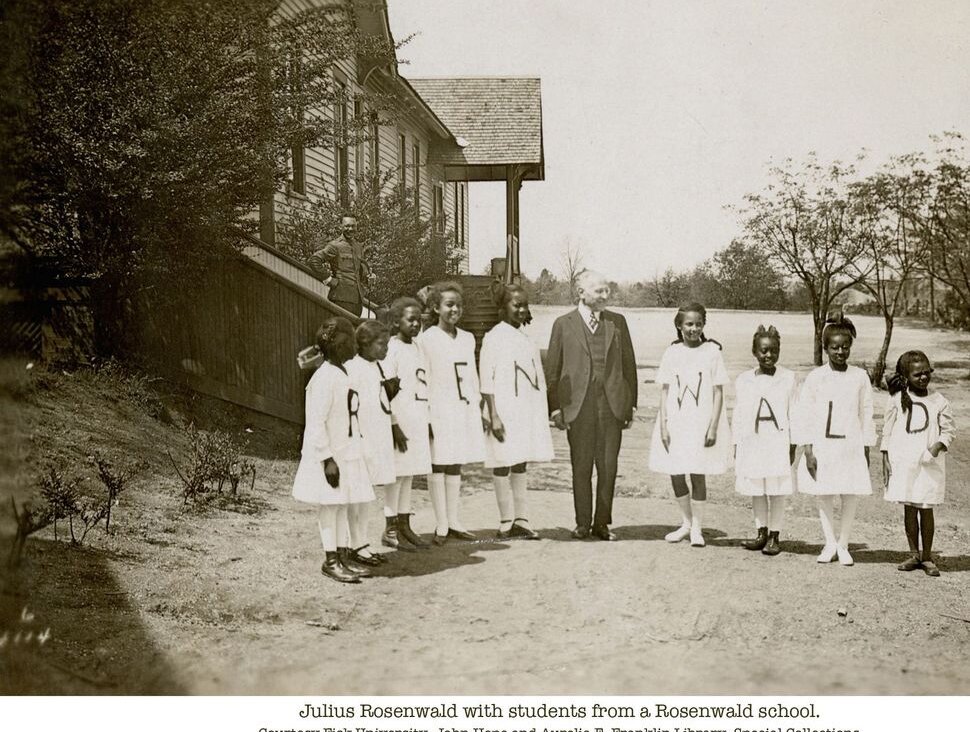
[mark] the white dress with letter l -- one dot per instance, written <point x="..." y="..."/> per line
<point x="454" y="399"/>
<point x="511" y="370"/>
<point x="332" y="431"/>
<point x="375" y="419"/>
<point x="834" y="416"/>
<point x="917" y="479"/>
<point x="691" y="375"/>
<point x="410" y="407"/>
<point x="761" y="426"/>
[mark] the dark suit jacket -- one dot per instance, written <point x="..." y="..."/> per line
<point x="569" y="365"/>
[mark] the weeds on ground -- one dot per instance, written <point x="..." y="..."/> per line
<point x="216" y="462"/>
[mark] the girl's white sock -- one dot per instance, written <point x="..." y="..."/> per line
<point x="697" y="522"/>
<point x="849" y="505"/>
<point x="503" y="497"/>
<point x="391" y="499"/>
<point x="436" y="487"/>
<point x="358" y="514"/>
<point x="776" y="508"/>
<point x="404" y="494"/>
<point x="453" y="494"/>
<point x="520" y="496"/>
<point x="683" y="503"/>
<point x="327" y="523"/>
<point x="826" y="516"/>
<point x="760" y="506"/>
<point x="343" y="528"/>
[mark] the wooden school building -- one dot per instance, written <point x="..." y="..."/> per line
<point x="240" y="339"/>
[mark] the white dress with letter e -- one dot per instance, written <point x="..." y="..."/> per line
<point x="454" y="399"/>
<point x="511" y="370"/>
<point x="834" y="416"/>
<point x="761" y="427"/>
<point x="691" y="375"/>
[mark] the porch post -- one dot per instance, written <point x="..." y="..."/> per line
<point x="513" y="182"/>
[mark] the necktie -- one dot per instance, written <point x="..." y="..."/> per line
<point x="593" y="322"/>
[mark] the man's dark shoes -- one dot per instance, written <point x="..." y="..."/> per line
<point x="581" y="532"/>
<point x="518" y="531"/>
<point x="603" y="533"/>
<point x="772" y="548"/>
<point x="759" y="543"/>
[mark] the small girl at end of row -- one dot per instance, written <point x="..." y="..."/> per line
<point x="834" y="424"/>
<point x="514" y="388"/>
<point x="332" y="473"/>
<point x="761" y="426"/>
<point x="454" y="401"/>
<point x="691" y="435"/>
<point x="409" y="407"/>
<point x="918" y="429"/>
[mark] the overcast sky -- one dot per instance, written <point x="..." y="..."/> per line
<point x="658" y="114"/>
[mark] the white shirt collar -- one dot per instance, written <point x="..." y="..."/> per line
<point x="585" y="313"/>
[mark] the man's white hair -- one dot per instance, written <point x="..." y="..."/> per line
<point x="588" y="278"/>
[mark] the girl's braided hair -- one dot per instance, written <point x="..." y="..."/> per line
<point x="897" y="382"/>
<point x="692" y="307"/>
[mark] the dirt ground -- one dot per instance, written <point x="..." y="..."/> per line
<point x="229" y="600"/>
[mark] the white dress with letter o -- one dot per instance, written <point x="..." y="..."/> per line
<point x="375" y="420"/>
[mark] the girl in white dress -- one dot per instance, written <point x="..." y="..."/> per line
<point x="834" y="424"/>
<point x="454" y="402"/>
<point x="409" y="409"/>
<point x="691" y="435"/>
<point x="332" y="473"/>
<point x="918" y="429"/>
<point x="761" y="427"/>
<point x="514" y="388"/>
<point x="367" y="377"/>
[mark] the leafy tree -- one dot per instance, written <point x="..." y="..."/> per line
<point x="745" y="279"/>
<point x="671" y="289"/>
<point x="805" y="224"/>
<point x="146" y="133"/>
<point x="402" y="247"/>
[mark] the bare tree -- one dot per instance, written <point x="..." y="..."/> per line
<point x="806" y="225"/>
<point x="572" y="266"/>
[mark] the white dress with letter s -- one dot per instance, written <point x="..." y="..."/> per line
<point x="454" y="398"/>
<point x="761" y="427"/>
<point x="332" y="431"/>
<point x="511" y="370"/>
<point x="691" y="373"/>
<point x="834" y="416"/>
<point x="410" y="406"/>
<point x="917" y="479"/>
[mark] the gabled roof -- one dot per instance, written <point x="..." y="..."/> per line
<point x="500" y="118"/>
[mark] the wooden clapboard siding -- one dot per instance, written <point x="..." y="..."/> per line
<point x="237" y="337"/>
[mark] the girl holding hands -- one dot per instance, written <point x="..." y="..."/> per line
<point x="691" y="435"/>
<point x="836" y="428"/>
<point x="917" y="432"/>
<point x="761" y="426"/>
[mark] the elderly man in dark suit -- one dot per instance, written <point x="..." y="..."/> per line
<point x="592" y="380"/>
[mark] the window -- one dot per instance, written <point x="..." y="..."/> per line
<point x="341" y="163"/>
<point x="438" y="208"/>
<point x="361" y="150"/>
<point x="298" y="166"/>
<point x="402" y="162"/>
<point x="416" y="175"/>
<point x="375" y="146"/>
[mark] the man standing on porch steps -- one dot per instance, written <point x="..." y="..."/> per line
<point x="342" y="265"/>
<point x="592" y="381"/>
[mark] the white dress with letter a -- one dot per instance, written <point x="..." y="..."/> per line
<point x="834" y="416"/>
<point x="761" y="426"/>
<point x="511" y="370"/>
<point x="410" y="406"/>
<point x="375" y="419"/>
<point x="691" y="375"/>
<point x="917" y="479"/>
<point x="332" y="431"/>
<point x="454" y="397"/>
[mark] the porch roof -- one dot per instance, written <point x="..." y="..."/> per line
<point x="500" y="118"/>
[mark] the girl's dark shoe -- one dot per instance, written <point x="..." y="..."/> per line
<point x="333" y="569"/>
<point x="345" y="557"/>
<point x="518" y="531"/>
<point x="759" y="543"/>
<point x="910" y="564"/>
<point x="772" y="548"/>
<point x="371" y="561"/>
<point x="931" y="569"/>
<point x="503" y="534"/>
<point x="462" y="535"/>
<point x="440" y="540"/>
<point x="390" y="536"/>
<point x="404" y="531"/>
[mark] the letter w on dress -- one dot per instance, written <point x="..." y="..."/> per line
<point x="683" y="390"/>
